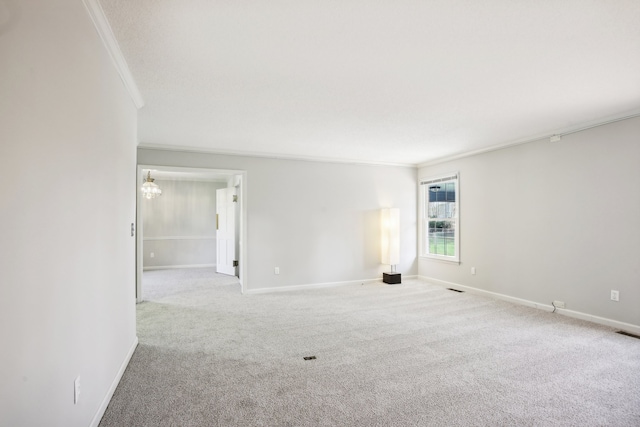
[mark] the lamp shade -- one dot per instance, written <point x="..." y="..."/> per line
<point x="390" y="242"/>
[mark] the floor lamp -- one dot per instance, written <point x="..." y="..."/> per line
<point x="390" y="243"/>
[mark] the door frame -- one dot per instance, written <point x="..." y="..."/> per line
<point x="238" y="177"/>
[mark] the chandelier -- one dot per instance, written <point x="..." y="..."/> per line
<point x="150" y="190"/>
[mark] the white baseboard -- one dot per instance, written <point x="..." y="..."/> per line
<point x="318" y="285"/>
<point x="114" y="385"/>
<point x="628" y="327"/>
<point x="151" y="239"/>
<point x="166" y="267"/>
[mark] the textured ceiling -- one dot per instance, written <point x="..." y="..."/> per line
<point x="375" y="81"/>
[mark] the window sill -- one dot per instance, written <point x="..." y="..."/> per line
<point x="438" y="259"/>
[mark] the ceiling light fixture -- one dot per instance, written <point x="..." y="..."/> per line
<point x="149" y="189"/>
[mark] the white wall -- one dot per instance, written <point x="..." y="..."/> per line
<point x="319" y="222"/>
<point x="553" y="221"/>
<point x="179" y="227"/>
<point x="67" y="191"/>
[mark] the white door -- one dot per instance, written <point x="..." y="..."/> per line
<point x="225" y="231"/>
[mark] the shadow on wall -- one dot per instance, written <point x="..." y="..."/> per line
<point x="372" y="249"/>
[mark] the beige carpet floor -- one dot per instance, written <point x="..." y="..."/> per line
<point x="414" y="354"/>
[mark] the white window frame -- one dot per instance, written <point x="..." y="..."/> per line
<point x="423" y="226"/>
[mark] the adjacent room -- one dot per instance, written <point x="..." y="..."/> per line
<point x="197" y="222"/>
<point x="354" y="213"/>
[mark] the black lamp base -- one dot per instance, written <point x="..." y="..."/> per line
<point x="392" y="278"/>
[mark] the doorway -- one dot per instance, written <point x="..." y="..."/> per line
<point x="235" y="179"/>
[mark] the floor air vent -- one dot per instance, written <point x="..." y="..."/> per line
<point x="629" y="334"/>
<point x="309" y="358"/>
<point x="455" y="290"/>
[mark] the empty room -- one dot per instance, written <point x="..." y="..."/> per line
<point x="415" y="213"/>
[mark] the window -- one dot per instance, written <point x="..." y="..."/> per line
<point x="440" y="218"/>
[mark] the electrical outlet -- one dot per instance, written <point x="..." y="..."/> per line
<point x="558" y="304"/>
<point x="276" y="270"/>
<point x="152" y="255"/>
<point x="473" y="271"/>
<point x="76" y="391"/>
<point x="615" y="295"/>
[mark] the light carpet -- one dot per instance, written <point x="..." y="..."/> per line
<point x="413" y="354"/>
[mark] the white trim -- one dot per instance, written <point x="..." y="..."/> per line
<point x="166" y="267"/>
<point x="224" y="173"/>
<point x="114" y="384"/>
<point x="190" y="179"/>
<point x="103" y="28"/>
<point x="241" y="182"/>
<point x="318" y="285"/>
<point x="139" y="235"/>
<point x="438" y="178"/>
<point x="635" y="329"/>
<point x="438" y="258"/>
<point x="179" y="238"/>
<point x="560" y="132"/>
<point x="276" y="156"/>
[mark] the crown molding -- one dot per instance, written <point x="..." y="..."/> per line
<point x="200" y="150"/>
<point x="558" y="133"/>
<point x="103" y="28"/>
